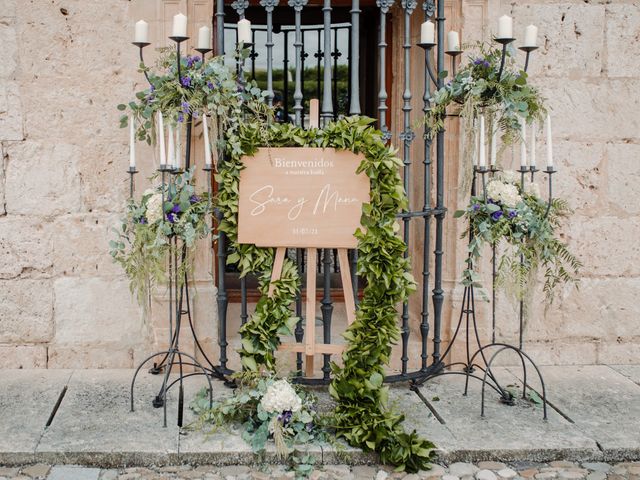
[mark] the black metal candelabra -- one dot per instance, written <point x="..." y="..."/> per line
<point x="478" y="365"/>
<point x="173" y="358"/>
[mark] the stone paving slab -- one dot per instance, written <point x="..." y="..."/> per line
<point x="506" y="433"/>
<point x="632" y="372"/>
<point x="604" y="404"/>
<point x="94" y="425"/>
<point x="26" y="400"/>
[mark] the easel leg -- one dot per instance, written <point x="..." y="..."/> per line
<point x="310" y="332"/>
<point x="277" y="268"/>
<point x="345" y="273"/>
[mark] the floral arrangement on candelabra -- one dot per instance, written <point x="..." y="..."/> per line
<point x="507" y="210"/>
<point x="168" y="211"/>
<point x="268" y="408"/>
<point x="489" y="85"/>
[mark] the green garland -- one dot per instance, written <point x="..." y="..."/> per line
<point x="362" y="415"/>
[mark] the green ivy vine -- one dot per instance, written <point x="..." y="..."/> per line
<point x="362" y="415"/>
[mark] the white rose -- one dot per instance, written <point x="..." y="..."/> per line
<point x="154" y="208"/>
<point x="281" y="397"/>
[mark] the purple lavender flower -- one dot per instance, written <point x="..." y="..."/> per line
<point x="152" y="88"/>
<point x="172" y="217"/>
<point x="185" y="107"/>
<point x="486" y="64"/>
<point x="477" y="61"/>
<point x="191" y="60"/>
<point x="143" y="221"/>
<point x="496" y="215"/>
<point x="176" y="208"/>
<point x="194" y="199"/>
<point x="210" y="85"/>
<point x="180" y="117"/>
<point x="475" y="207"/>
<point x="512" y="213"/>
<point x="185" y="81"/>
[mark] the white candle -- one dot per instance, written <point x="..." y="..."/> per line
<point x="531" y="36"/>
<point x="532" y="162"/>
<point x="160" y="133"/>
<point x="427" y="32"/>
<point x="494" y="145"/>
<point x="453" y="41"/>
<point x="179" y="25"/>
<point x="171" y="146"/>
<point x="207" y="146"/>
<point x="204" y="38"/>
<point x="482" y="161"/>
<point x="549" y="143"/>
<point x="132" y="142"/>
<point x="244" y="31"/>
<point x="177" y="158"/>
<point x="523" y="144"/>
<point x="142" y="32"/>
<point x="505" y="27"/>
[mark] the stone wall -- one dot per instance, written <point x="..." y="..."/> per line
<point x="588" y="69"/>
<point x="65" y="64"/>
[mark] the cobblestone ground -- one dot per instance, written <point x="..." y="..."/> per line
<point x="560" y="470"/>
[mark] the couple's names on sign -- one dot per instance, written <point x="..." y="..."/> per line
<point x="301" y="197"/>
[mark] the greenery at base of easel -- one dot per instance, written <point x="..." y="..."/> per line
<point x="362" y="416"/>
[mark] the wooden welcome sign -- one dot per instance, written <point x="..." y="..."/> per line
<point x="305" y="198"/>
<point x="301" y="197"/>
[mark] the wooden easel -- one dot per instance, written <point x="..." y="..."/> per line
<point x="310" y="348"/>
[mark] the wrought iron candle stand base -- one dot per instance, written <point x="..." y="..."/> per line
<point x="173" y="358"/>
<point x="472" y="335"/>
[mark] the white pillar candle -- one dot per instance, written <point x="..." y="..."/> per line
<point x="177" y="158"/>
<point x="549" y="143"/>
<point x="427" y="32"/>
<point x="132" y="142"/>
<point x="160" y="134"/>
<point x="244" y="31"/>
<point x="532" y="160"/>
<point x="204" y="38"/>
<point x="482" y="160"/>
<point x="523" y="144"/>
<point x="142" y="32"/>
<point x="505" y="27"/>
<point x="179" y="25"/>
<point x="171" y="146"/>
<point x="494" y="145"/>
<point x="207" y="146"/>
<point x="453" y="41"/>
<point x="531" y="36"/>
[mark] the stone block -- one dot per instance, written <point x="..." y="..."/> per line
<point x="76" y="109"/>
<point x="25" y="248"/>
<point x="105" y="183"/>
<point x="581" y="178"/>
<point x="11" y="112"/>
<point x="593" y="110"/>
<point x="81" y="245"/>
<point x="623" y="23"/>
<point x="8" y="54"/>
<point x="23" y="356"/>
<point x="571" y="37"/>
<point x="601" y="310"/>
<point x="91" y="355"/>
<point x="620" y="351"/>
<point x="593" y="242"/>
<point x="95" y="310"/>
<point x="623" y="171"/>
<point x="42" y="178"/>
<point x="562" y="351"/>
<point x="26" y="311"/>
